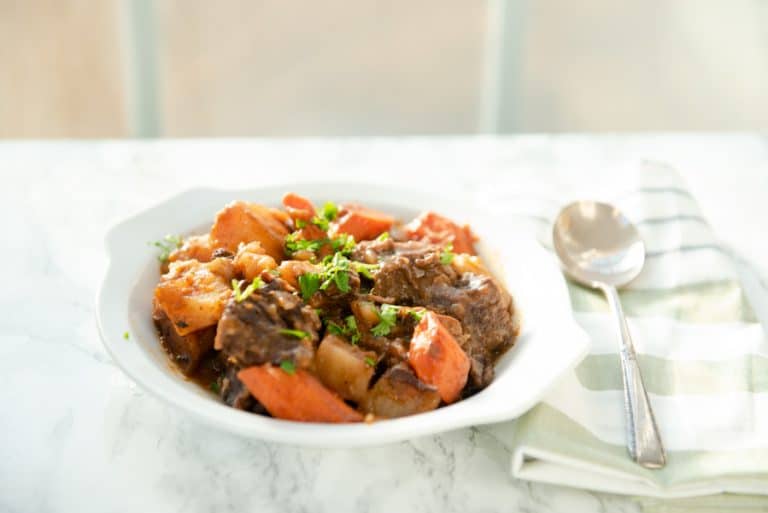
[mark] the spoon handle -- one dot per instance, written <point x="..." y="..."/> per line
<point x="643" y="439"/>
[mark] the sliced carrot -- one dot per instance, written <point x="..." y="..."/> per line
<point x="297" y="396"/>
<point x="298" y="207"/>
<point x="438" y="229"/>
<point x="362" y="223"/>
<point x="437" y="358"/>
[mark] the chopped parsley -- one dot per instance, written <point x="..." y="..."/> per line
<point x="245" y="294"/>
<point x="294" y="333"/>
<point x="330" y="211"/>
<point x="293" y="244"/>
<point x="321" y="223"/>
<point x="300" y="223"/>
<point x="383" y="236"/>
<point x="348" y="330"/>
<point x="344" y="243"/>
<point x="309" y="283"/>
<point x="288" y="367"/>
<point x="446" y="257"/>
<point x="387" y="320"/>
<point x="417" y="315"/>
<point x="126" y="335"/>
<point x="214" y="386"/>
<point x="166" y="246"/>
<point x="365" y="269"/>
<point x="370" y="362"/>
<point x="337" y="272"/>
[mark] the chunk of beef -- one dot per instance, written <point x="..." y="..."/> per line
<point x="412" y="273"/>
<point x="253" y="332"/>
<point x="185" y="350"/>
<point x="407" y="270"/>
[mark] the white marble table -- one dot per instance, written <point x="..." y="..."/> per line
<point x="80" y="436"/>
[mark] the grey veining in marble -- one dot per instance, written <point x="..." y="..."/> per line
<point x="80" y="436"/>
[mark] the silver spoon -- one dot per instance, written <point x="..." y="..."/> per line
<point x="600" y="248"/>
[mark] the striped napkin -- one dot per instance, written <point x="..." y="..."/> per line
<point x="703" y="354"/>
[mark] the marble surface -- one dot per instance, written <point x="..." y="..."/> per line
<point x="80" y="436"/>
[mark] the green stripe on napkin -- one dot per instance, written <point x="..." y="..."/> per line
<point x="700" y="303"/>
<point x="669" y="377"/>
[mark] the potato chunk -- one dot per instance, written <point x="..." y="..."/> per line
<point x="246" y="222"/>
<point x="344" y="368"/>
<point x="196" y="247"/>
<point x="193" y="294"/>
<point x="251" y="260"/>
<point x="399" y="393"/>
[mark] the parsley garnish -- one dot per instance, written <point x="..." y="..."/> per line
<point x="370" y="361"/>
<point x="336" y="271"/>
<point x="214" y="386"/>
<point x="293" y="244"/>
<point x="242" y="296"/>
<point x="126" y="335"/>
<point x="344" y="243"/>
<point x="166" y="246"/>
<point x="300" y="223"/>
<point x="383" y="236"/>
<point x="387" y="320"/>
<point x="365" y="269"/>
<point x="349" y="329"/>
<point x="294" y="333"/>
<point x="446" y="257"/>
<point x="417" y="314"/>
<point x="308" y="284"/>
<point x="288" y="367"/>
<point x="330" y="211"/>
<point x="321" y="223"/>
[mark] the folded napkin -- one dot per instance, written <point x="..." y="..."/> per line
<point x="703" y="354"/>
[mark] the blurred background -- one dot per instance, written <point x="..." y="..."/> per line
<point x="202" y="68"/>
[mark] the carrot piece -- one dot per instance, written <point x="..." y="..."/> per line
<point x="438" y="229"/>
<point x="298" y="207"/>
<point x="297" y="396"/>
<point x="437" y="358"/>
<point x="362" y="223"/>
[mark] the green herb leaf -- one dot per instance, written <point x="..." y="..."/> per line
<point x="370" y="361"/>
<point x="341" y="279"/>
<point x="335" y="329"/>
<point x="321" y="223"/>
<point x="126" y="335"/>
<point x="351" y="329"/>
<point x="383" y="236"/>
<point x="344" y="243"/>
<point x="330" y="211"/>
<point x="446" y="257"/>
<point x="214" y="386"/>
<point x="242" y="296"/>
<point x="300" y="223"/>
<point x="288" y="367"/>
<point x="167" y="245"/>
<point x="387" y="320"/>
<point x="365" y="269"/>
<point x="417" y="315"/>
<point x="293" y="244"/>
<point x="294" y="333"/>
<point x="308" y="284"/>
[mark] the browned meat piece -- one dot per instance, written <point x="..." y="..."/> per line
<point x="411" y="272"/>
<point x="253" y="332"/>
<point x="185" y="350"/>
<point x="408" y="269"/>
<point x="399" y="393"/>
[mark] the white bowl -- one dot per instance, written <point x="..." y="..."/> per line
<point x="550" y="342"/>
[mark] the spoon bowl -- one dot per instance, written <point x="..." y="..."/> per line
<point x="597" y="244"/>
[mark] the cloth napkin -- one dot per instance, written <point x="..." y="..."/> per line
<point x="702" y="351"/>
